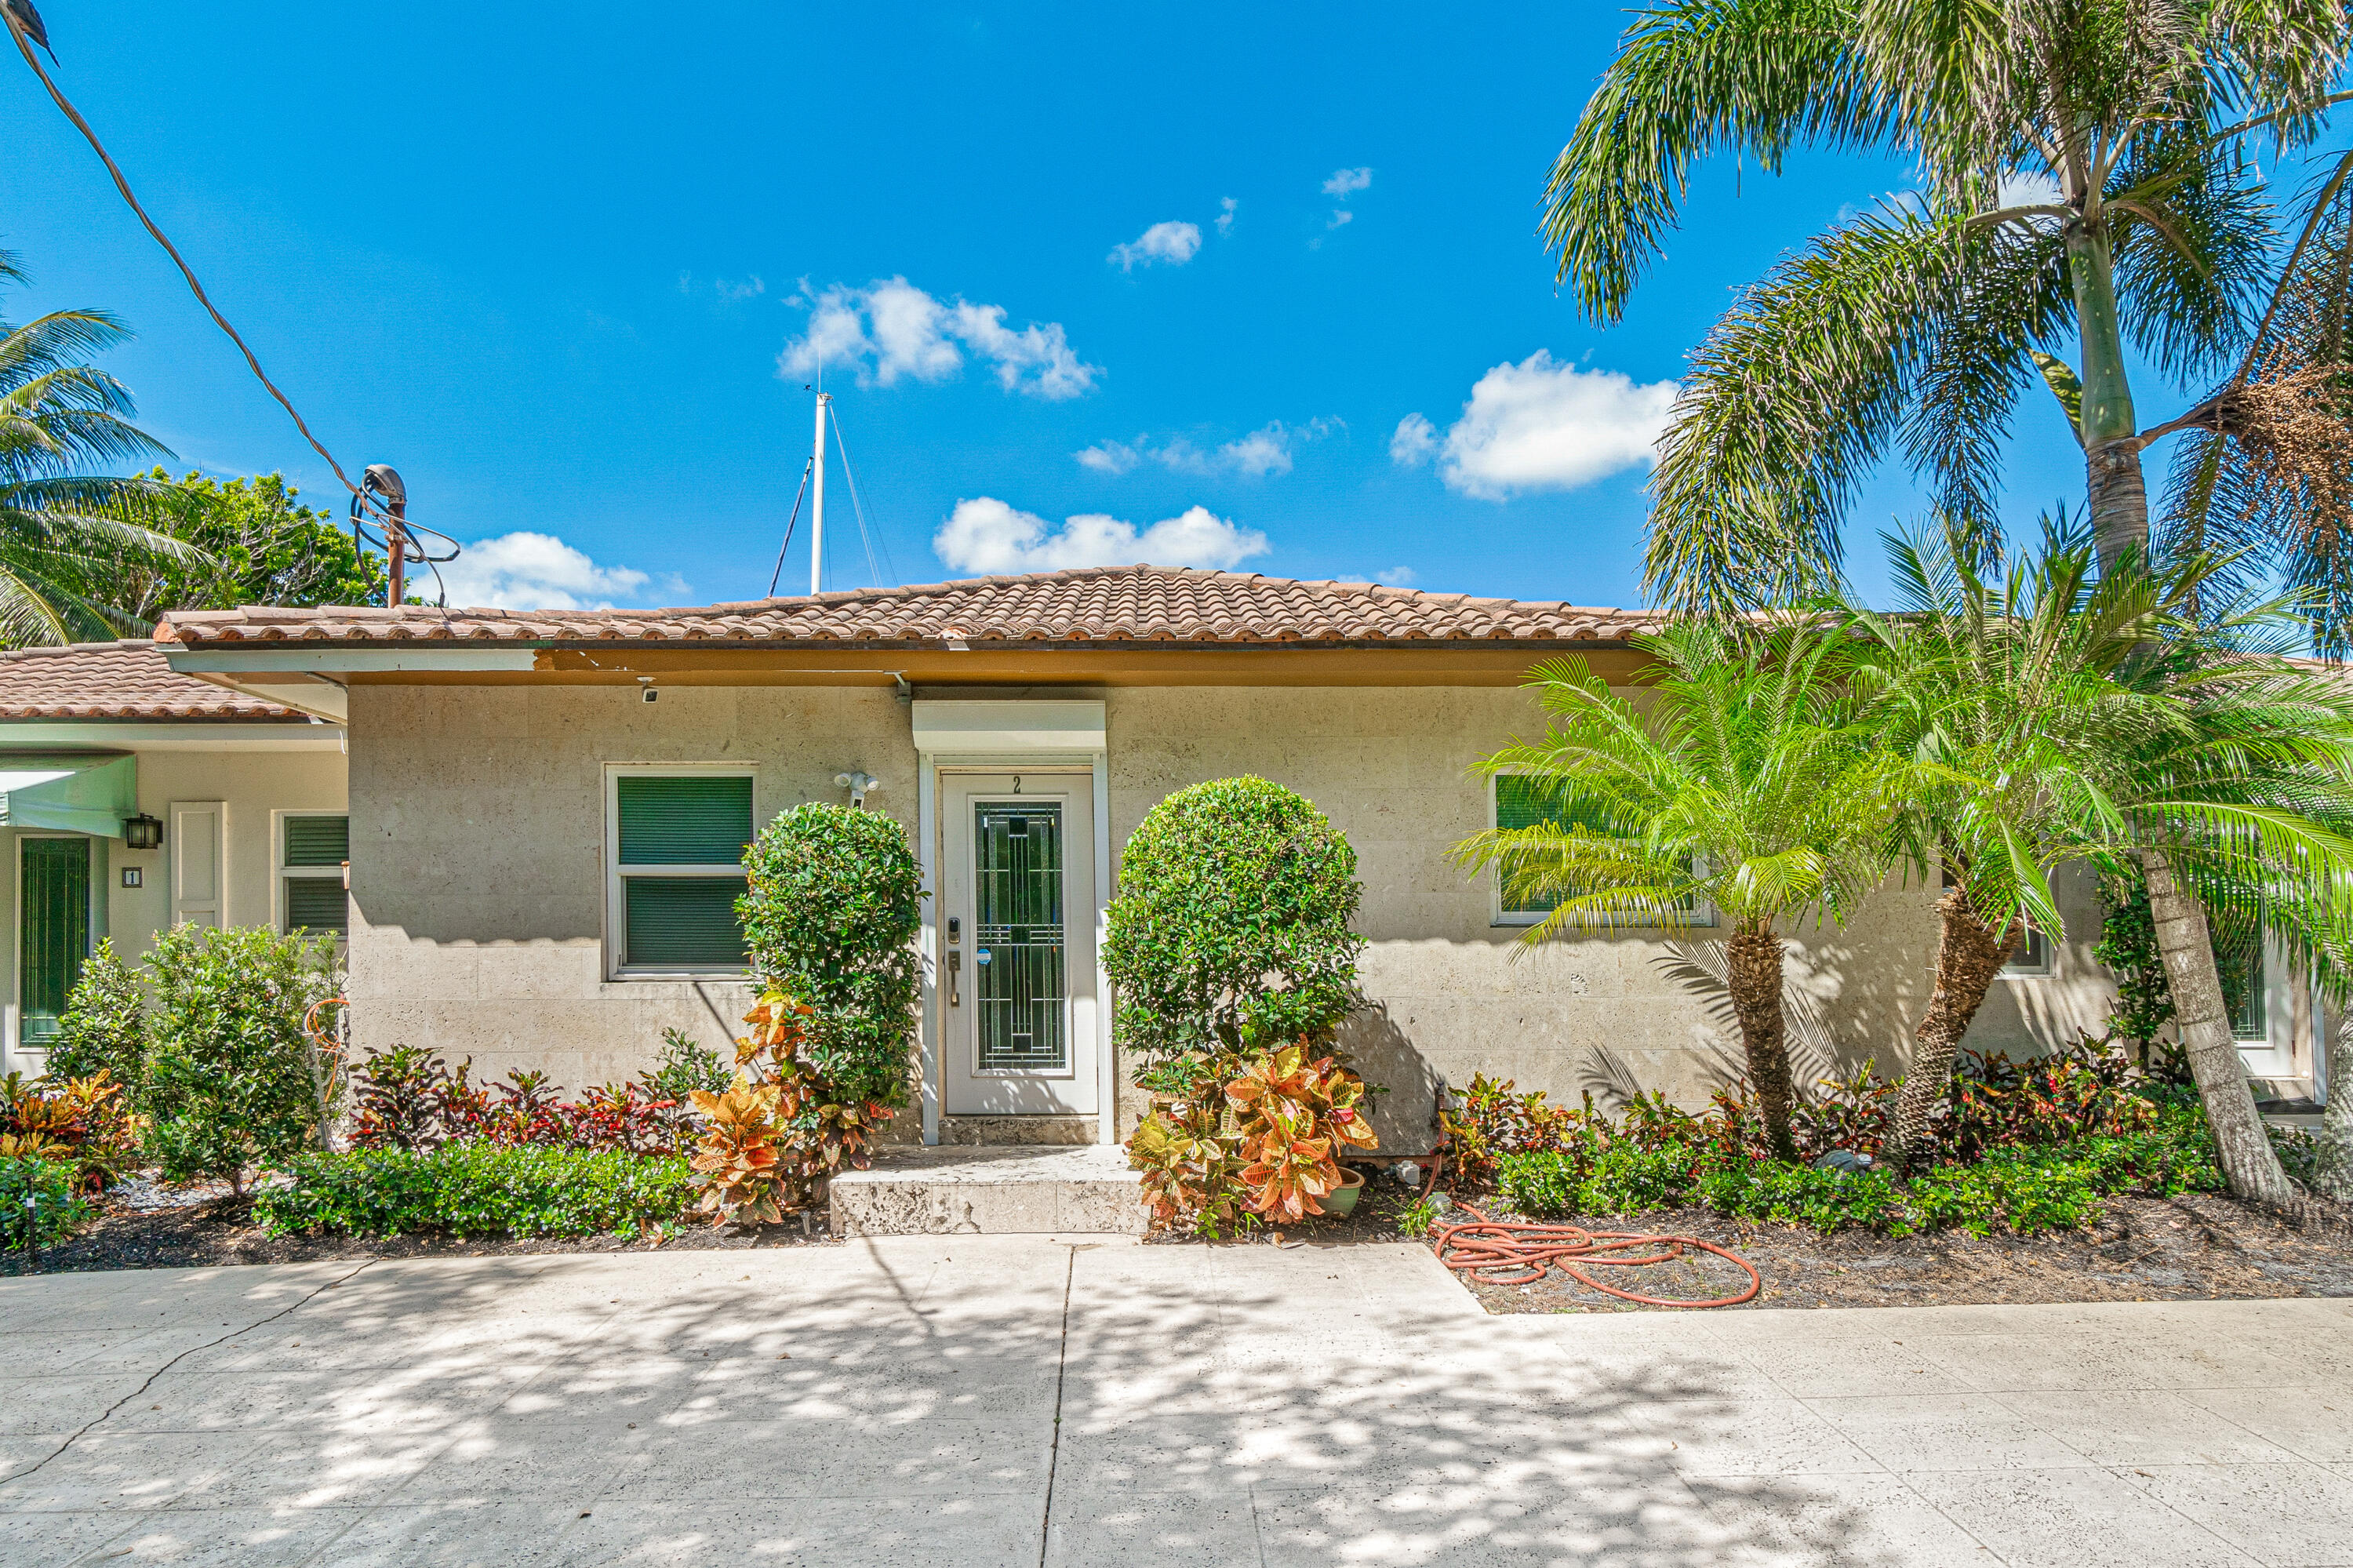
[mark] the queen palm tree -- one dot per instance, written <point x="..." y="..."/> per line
<point x="1739" y="784"/>
<point x="59" y="419"/>
<point x="2088" y="177"/>
<point x="2082" y="715"/>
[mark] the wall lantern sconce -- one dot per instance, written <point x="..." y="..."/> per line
<point x="143" y="832"/>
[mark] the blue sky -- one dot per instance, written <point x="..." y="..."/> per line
<point x="568" y="269"/>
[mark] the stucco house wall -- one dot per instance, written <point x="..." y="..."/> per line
<point x="478" y="888"/>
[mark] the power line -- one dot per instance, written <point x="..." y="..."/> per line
<point x="25" y="27"/>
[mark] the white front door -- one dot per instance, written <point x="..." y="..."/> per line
<point x="1017" y="932"/>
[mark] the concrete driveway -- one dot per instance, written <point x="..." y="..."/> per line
<point x="1022" y="1400"/>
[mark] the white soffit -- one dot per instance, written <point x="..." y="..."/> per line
<point x="1009" y="729"/>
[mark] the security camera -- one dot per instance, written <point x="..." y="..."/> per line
<point x="858" y="784"/>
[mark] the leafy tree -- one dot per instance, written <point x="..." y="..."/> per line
<point x="2065" y="714"/>
<point x="1741" y="782"/>
<point x="58" y="418"/>
<point x="228" y="1078"/>
<point x="830" y="916"/>
<point x="259" y="546"/>
<point x="104" y="1028"/>
<point x="1231" y="926"/>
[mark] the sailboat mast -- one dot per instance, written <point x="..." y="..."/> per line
<point x="816" y="501"/>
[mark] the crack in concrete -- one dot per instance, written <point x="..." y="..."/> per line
<point x="1054" y="1446"/>
<point x="108" y="1414"/>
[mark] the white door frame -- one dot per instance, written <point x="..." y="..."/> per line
<point x="928" y="841"/>
<point x="2274" y="1056"/>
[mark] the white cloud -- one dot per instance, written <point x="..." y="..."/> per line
<point x="1540" y="426"/>
<point x="1344" y="183"/>
<point x="1340" y="215"/>
<point x="985" y="536"/>
<point x="1414" y="443"/>
<point x="891" y="329"/>
<point x="1396" y="577"/>
<point x="2029" y="187"/>
<point x="531" y="571"/>
<point x="1174" y="243"/>
<point x="1265" y="450"/>
<point x="1226" y="218"/>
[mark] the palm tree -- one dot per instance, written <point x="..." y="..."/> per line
<point x="58" y="418"/>
<point x="1739" y="783"/>
<point x="2087" y="176"/>
<point x="2077" y="716"/>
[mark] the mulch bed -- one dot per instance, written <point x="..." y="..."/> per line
<point x="2198" y="1246"/>
<point x="223" y="1234"/>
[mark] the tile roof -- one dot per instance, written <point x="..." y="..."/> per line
<point x="126" y="680"/>
<point x="1092" y="604"/>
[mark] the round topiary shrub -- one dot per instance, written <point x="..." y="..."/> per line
<point x="830" y="921"/>
<point x="1231" y="924"/>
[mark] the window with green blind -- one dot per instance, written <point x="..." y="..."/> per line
<point x="311" y="850"/>
<point x="678" y="842"/>
<point x="1521" y="801"/>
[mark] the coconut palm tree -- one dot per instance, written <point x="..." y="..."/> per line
<point x="2077" y="716"/>
<point x="60" y="418"/>
<point x="2088" y="178"/>
<point x="1738" y="784"/>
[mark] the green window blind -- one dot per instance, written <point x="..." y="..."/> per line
<point x="318" y="841"/>
<point x="56" y="931"/>
<point x="687" y="922"/>
<point x="684" y="820"/>
<point x="316" y="905"/>
<point x="1523" y="802"/>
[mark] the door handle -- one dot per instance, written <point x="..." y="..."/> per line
<point x="956" y="967"/>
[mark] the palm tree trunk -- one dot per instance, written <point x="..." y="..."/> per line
<point x="2250" y="1164"/>
<point x="1969" y="954"/>
<point x="2119" y="498"/>
<point x="1754" y="970"/>
<point x="2115" y="491"/>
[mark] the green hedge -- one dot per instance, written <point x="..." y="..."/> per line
<point x="475" y="1189"/>
<point x="57" y="1207"/>
<point x="2024" y="1190"/>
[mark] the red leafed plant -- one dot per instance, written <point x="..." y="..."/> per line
<point x="1296" y="1116"/>
<point x="776" y="1135"/>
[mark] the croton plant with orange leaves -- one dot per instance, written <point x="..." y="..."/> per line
<point x="1270" y="1140"/>
<point x="775" y="1134"/>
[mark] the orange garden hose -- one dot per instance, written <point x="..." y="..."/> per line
<point x="1499" y="1251"/>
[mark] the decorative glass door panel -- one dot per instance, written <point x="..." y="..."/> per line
<point x="1014" y="931"/>
<point x="53" y="937"/>
<point x="1020" y="996"/>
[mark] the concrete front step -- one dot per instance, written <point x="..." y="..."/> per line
<point x="997" y="1191"/>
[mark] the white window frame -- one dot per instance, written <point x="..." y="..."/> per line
<point x="617" y="912"/>
<point x="2029" y="968"/>
<point x="279" y="871"/>
<point x="1703" y="913"/>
